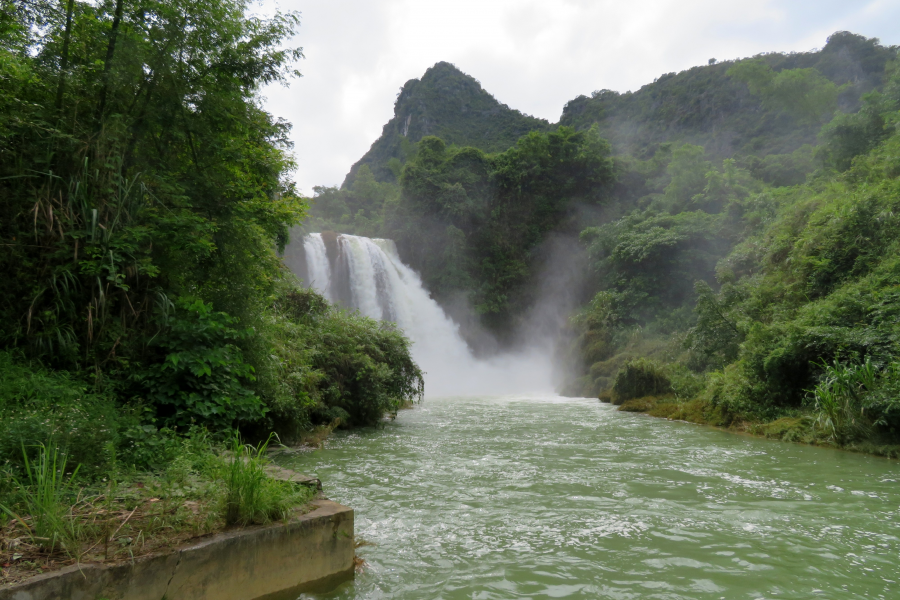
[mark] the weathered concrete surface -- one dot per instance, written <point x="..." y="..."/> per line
<point x="241" y="565"/>
<point x="282" y="474"/>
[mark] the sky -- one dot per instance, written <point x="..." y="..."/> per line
<point x="533" y="55"/>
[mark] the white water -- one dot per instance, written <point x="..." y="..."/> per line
<point x="382" y="287"/>
<point x="317" y="265"/>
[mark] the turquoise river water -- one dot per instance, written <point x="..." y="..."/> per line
<point x="549" y="497"/>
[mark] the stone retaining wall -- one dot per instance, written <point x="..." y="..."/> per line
<point x="249" y="564"/>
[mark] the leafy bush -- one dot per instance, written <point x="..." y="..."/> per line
<point x="639" y="378"/>
<point x="145" y="447"/>
<point x="333" y="366"/>
<point x="201" y="376"/>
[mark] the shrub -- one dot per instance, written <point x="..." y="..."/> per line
<point x="39" y="406"/>
<point x="144" y="447"/>
<point x="638" y="378"/>
<point x="338" y="365"/>
<point x="201" y="375"/>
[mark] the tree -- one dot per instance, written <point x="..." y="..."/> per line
<point x="804" y="93"/>
<point x="136" y="166"/>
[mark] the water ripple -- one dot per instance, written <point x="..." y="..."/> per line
<point x="545" y="497"/>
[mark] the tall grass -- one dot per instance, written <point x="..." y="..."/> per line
<point x="840" y="400"/>
<point x="46" y="502"/>
<point x="251" y="496"/>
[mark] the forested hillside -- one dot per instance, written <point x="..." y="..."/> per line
<point x="706" y="106"/>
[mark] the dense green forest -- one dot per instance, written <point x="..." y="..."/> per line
<point x="738" y="223"/>
<point x="144" y="194"/>
<point x="720" y="109"/>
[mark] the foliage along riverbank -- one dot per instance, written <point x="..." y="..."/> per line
<point x="840" y="425"/>
<point x="794" y="329"/>
<point x="144" y="195"/>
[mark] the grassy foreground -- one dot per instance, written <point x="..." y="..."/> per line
<point x="54" y="518"/>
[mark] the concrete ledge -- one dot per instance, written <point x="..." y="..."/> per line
<point x="241" y="565"/>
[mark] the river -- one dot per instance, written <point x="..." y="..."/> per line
<point x="549" y="497"/>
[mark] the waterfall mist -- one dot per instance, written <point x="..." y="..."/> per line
<point x="367" y="274"/>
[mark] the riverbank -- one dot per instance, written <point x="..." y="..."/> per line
<point x="54" y="520"/>
<point x="797" y="429"/>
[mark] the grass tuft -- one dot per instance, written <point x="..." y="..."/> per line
<point x="251" y="496"/>
<point x="46" y="499"/>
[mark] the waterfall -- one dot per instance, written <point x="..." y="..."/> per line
<point x="367" y="275"/>
<point x="317" y="264"/>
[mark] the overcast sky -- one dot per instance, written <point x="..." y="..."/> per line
<point x="534" y="55"/>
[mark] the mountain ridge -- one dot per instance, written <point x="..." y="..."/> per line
<point x="449" y="104"/>
<point x="701" y="105"/>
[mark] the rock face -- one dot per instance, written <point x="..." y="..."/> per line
<point x="451" y="105"/>
<point x="240" y="565"/>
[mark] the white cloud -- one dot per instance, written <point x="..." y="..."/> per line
<point x="534" y="55"/>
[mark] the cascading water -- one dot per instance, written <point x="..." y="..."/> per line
<point x="368" y="275"/>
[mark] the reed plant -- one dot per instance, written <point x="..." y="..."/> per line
<point x="251" y="495"/>
<point x="840" y="400"/>
<point x="46" y="502"/>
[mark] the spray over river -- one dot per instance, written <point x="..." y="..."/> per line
<point x="496" y="488"/>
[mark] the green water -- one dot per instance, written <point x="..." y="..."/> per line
<point x="530" y="497"/>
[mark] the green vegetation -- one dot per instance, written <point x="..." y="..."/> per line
<point x="639" y="378"/>
<point x="338" y="366"/>
<point x="713" y="106"/>
<point x="472" y="222"/>
<point x="780" y="299"/>
<point x="145" y="195"/>
<point x="250" y="495"/>
<point x="50" y="486"/>
<point x="59" y="517"/>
